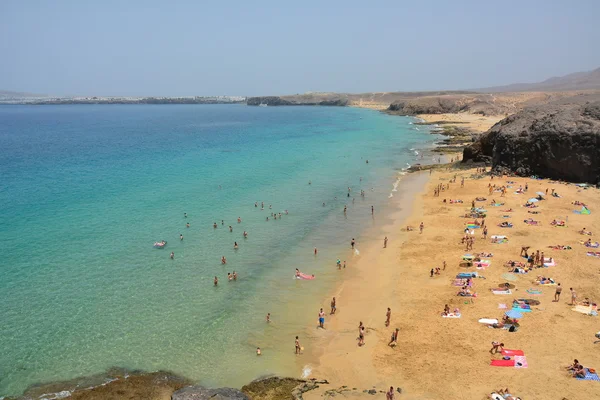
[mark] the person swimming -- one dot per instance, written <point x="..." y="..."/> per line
<point x="215" y="225"/>
<point x="245" y="235"/>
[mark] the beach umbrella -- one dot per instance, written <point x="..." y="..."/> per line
<point x="533" y="200"/>
<point x="513" y="314"/>
<point x="509" y="277"/>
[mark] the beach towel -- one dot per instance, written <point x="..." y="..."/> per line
<point x="460" y="282"/>
<point x="502" y="306"/>
<point x="520" y="362"/>
<point x="583" y="211"/>
<point x="547" y="283"/>
<point x="549" y="263"/>
<point x="593" y="253"/>
<point x="468" y="257"/>
<point x="589" y="376"/>
<point x="464" y="275"/>
<point x="488" y="321"/>
<point x="499" y="237"/>
<point x="502" y="363"/>
<point x="510" y="353"/>
<point x="505" y="226"/>
<point x="497" y="204"/>
<point x="534" y="292"/>
<point x="451" y="315"/>
<point x="522" y="309"/>
<point x="583" y="309"/>
<point x="591" y="245"/>
<point x="501" y="291"/>
<point x="472" y="226"/>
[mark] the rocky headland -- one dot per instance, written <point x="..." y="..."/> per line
<point x="559" y="141"/>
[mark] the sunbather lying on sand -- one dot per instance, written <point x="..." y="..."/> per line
<point x="518" y="270"/>
<point x="541" y="280"/>
<point x="560" y="247"/>
<point x="534" y="212"/>
<point x="505" y="224"/>
<point x="466" y="292"/>
<point x="588" y="243"/>
<point x="480" y="198"/>
<point x="585" y="232"/>
<point x="578" y="203"/>
<point x="484" y="255"/>
<point x="530" y="205"/>
<point x="509" y="210"/>
<point x="557" y="223"/>
<point x="530" y="221"/>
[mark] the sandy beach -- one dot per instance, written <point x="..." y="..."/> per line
<point x="449" y="357"/>
<point x="476" y="122"/>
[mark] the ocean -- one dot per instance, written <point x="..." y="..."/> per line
<point x="87" y="190"/>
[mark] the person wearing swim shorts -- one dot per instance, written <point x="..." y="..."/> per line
<point x="321" y="319"/>
<point x="557" y="293"/>
<point x="333" y="306"/>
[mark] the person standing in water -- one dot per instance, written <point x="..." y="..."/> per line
<point x="245" y="235"/>
<point x="230" y="228"/>
<point x="172" y="255"/>
<point x="234" y="276"/>
<point x="297" y="344"/>
<point x="235" y="245"/>
<point x="180" y="236"/>
<point x="187" y="225"/>
<point x="184" y="215"/>
<point x="268" y="317"/>
<point x="316" y="251"/>
<point x="385" y="240"/>
<point x="321" y="319"/>
<point x="239" y="220"/>
<point x="223" y="260"/>
<point x="216" y="281"/>
<point x="352" y="243"/>
<point x="372" y="210"/>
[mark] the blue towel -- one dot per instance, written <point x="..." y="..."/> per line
<point x="589" y="376"/>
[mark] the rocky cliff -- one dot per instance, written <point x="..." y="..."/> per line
<point x="557" y="141"/>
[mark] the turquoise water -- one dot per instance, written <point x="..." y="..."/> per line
<point x="87" y="190"/>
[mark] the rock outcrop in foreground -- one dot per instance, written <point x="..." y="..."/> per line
<point x="557" y="141"/>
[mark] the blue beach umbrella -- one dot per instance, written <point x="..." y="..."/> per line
<point x="513" y="314"/>
<point x="533" y="200"/>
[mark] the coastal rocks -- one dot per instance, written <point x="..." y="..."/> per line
<point x="201" y="393"/>
<point x="274" y="388"/>
<point x="268" y="100"/>
<point x="558" y="141"/>
<point x="279" y="101"/>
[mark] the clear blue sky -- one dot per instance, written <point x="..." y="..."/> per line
<point x="233" y="47"/>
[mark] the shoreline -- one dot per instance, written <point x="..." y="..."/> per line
<point x="436" y="357"/>
<point x="350" y="293"/>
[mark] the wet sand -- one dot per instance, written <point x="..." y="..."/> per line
<point x="449" y="358"/>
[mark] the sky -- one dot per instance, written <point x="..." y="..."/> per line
<point x="250" y="48"/>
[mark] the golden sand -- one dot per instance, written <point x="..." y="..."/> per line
<point x="476" y="122"/>
<point x="439" y="358"/>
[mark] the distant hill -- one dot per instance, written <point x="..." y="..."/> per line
<point x="6" y="95"/>
<point x="576" y="81"/>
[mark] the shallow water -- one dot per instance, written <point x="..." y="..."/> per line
<point x="87" y="190"/>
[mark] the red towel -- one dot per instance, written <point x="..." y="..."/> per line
<point x="503" y="363"/>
